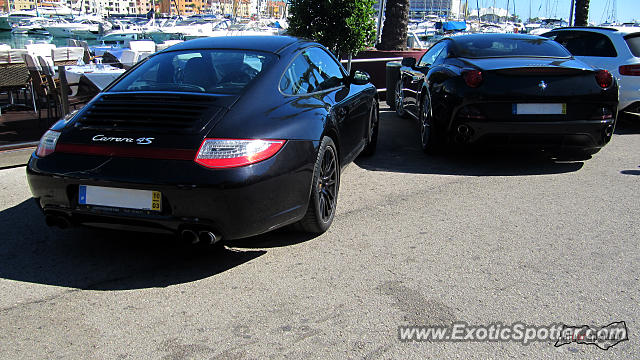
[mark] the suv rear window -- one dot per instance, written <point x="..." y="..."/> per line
<point x="584" y="43"/>
<point x="633" y="41"/>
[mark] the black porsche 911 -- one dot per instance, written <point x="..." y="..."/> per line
<point x="216" y="138"/>
<point x="507" y="89"/>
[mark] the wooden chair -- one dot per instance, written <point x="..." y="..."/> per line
<point x="14" y="76"/>
<point x="63" y="56"/>
<point x="64" y="90"/>
<point x="41" y="94"/>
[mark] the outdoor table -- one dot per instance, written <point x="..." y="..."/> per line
<point x="99" y="75"/>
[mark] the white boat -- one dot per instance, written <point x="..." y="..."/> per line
<point x="251" y="28"/>
<point x="7" y="21"/>
<point x="83" y="28"/>
<point x="35" y="26"/>
<point x="123" y="35"/>
<point x="92" y="29"/>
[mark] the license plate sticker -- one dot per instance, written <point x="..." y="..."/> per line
<point x="120" y="198"/>
<point x="539" y="109"/>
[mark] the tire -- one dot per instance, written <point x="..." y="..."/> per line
<point x="372" y="131"/>
<point x="429" y="141"/>
<point x="325" y="184"/>
<point x="399" y="98"/>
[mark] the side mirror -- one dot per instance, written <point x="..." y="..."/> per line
<point x="360" y="77"/>
<point x="409" y="62"/>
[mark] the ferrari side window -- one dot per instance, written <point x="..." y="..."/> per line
<point x="430" y="56"/>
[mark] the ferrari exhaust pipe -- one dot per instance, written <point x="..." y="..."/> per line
<point x="608" y="131"/>
<point x="463" y="133"/>
<point x="463" y="130"/>
<point x="189" y="236"/>
<point x="207" y="237"/>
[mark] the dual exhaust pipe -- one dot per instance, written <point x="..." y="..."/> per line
<point x="204" y="237"/>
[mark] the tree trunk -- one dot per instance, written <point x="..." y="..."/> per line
<point x="394" y="32"/>
<point x="582" y="13"/>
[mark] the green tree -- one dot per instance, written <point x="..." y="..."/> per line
<point x="343" y="26"/>
<point x="582" y="13"/>
<point x="394" y="32"/>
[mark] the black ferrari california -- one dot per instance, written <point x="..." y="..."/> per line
<point x="507" y="89"/>
<point x="216" y="138"/>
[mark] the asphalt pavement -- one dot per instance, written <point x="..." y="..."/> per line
<point x="479" y="237"/>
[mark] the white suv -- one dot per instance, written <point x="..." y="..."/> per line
<point x="616" y="49"/>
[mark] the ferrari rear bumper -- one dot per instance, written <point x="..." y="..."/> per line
<point x="581" y="134"/>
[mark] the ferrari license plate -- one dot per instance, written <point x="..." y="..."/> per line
<point x="120" y="198"/>
<point x="539" y="109"/>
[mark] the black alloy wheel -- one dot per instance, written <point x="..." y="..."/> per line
<point x="428" y="140"/>
<point x="399" y="97"/>
<point x="324" y="191"/>
<point x="372" y="130"/>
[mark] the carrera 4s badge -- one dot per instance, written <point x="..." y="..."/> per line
<point x="139" y="141"/>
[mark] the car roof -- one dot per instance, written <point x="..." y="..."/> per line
<point x="266" y="43"/>
<point x="623" y="30"/>
<point x="496" y="36"/>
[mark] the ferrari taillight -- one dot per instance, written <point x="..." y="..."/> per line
<point x="473" y="78"/>
<point x="604" y="78"/>
<point x="47" y="143"/>
<point x="226" y="153"/>
<point x="630" y="70"/>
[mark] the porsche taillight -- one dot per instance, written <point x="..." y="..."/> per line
<point x="473" y="78"/>
<point x="47" y="143"/>
<point x="227" y="153"/>
<point x="604" y="78"/>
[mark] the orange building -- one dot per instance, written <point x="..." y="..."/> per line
<point x="276" y="9"/>
<point x="182" y="7"/>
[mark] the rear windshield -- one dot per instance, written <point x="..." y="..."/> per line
<point x="633" y="41"/>
<point x="483" y="47"/>
<point x="199" y="71"/>
<point x="584" y="43"/>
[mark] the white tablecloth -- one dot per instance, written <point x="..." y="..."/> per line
<point x="100" y="75"/>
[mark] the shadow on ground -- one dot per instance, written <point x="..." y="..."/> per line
<point x="399" y="151"/>
<point x="628" y="126"/>
<point x="111" y="260"/>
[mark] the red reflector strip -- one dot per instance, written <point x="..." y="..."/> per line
<point x="117" y="151"/>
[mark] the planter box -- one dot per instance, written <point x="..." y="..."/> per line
<point x="377" y="69"/>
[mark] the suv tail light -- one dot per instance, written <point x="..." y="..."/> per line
<point x="473" y="78"/>
<point x="226" y="153"/>
<point x="47" y="143"/>
<point x="631" y="70"/>
<point x="604" y="78"/>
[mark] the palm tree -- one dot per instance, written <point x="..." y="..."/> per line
<point x="582" y="13"/>
<point x="394" y="32"/>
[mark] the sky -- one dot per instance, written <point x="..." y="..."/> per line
<point x="627" y="10"/>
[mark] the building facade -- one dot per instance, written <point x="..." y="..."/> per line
<point x="419" y="9"/>
<point x="23" y="4"/>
